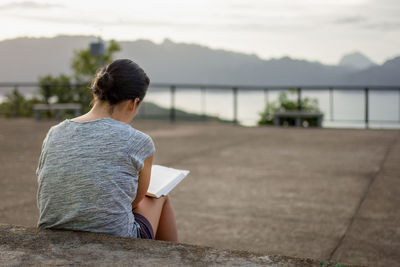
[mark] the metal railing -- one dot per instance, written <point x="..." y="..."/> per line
<point x="172" y="88"/>
<point x="299" y="89"/>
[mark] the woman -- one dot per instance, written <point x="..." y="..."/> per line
<point x="94" y="170"/>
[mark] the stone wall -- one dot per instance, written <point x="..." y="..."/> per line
<point x="29" y="246"/>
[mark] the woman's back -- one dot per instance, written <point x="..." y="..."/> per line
<point x="88" y="176"/>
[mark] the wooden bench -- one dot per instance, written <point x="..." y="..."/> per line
<point x="298" y="116"/>
<point x="38" y="108"/>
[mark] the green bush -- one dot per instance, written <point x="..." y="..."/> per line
<point x="287" y="102"/>
<point x="60" y="89"/>
<point x="16" y="105"/>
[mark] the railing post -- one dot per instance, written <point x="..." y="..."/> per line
<point x="331" y="102"/>
<point x="15" y="112"/>
<point x="366" y="107"/>
<point x="203" y="102"/>
<point x="266" y="96"/>
<point x="235" y="105"/>
<point x="299" y="99"/>
<point x="172" y="116"/>
<point x="47" y="93"/>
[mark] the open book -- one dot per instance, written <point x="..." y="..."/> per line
<point x="164" y="179"/>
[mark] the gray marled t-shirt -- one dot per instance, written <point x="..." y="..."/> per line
<point x="88" y="176"/>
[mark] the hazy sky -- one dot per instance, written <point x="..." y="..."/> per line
<point x="320" y="30"/>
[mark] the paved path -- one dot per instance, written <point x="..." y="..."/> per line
<point x="318" y="193"/>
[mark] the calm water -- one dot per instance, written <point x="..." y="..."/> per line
<point x="348" y="108"/>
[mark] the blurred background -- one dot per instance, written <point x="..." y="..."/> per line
<point x="331" y="50"/>
<point x="224" y="76"/>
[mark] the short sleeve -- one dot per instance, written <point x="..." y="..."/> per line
<point x="43" y="153"/>
<point x="141" y="148"/>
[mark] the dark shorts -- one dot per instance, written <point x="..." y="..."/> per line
<point x="145" y="231"/>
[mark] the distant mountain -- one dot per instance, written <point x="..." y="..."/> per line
<point x="387" y="74"/>
<point x="356" y="61"/>
<point x="192" y="63"/>
<point x="25" y="59"/>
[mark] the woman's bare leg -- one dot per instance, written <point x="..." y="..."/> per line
<point x="167" y="225"/>
<point x="161" y="216"/>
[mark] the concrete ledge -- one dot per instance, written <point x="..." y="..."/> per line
<point x="29" y="246"/>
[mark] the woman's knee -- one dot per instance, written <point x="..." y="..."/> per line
<point x="166" y="198"/>
<point x="163" y="200"/>
<point x="152" y="207"/>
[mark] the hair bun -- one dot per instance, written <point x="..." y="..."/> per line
<point x="121" y="80"/>
<point x="104" y="84"/>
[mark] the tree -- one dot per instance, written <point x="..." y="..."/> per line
<point x="85" y="65"/>
<point x="59" y="87"/>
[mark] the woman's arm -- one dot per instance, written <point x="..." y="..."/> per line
<point x="144" y="181"/>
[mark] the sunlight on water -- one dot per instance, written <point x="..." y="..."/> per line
<point x="323" y="101"/>
<point x="220" y="103"/>
<point x="348" y="108"/>
<point x="384" y="105"/>
<point x="159" y="97"/>
<point x="348" y="105"/>
<point x="189" y="100"/>
<point x="250" y="105"/>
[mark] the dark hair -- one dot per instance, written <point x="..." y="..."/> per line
<point x="121" y="80"/>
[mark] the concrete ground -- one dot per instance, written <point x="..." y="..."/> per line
<point x="321" y="193"/>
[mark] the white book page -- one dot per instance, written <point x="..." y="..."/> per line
<point x="164" y="179"/>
